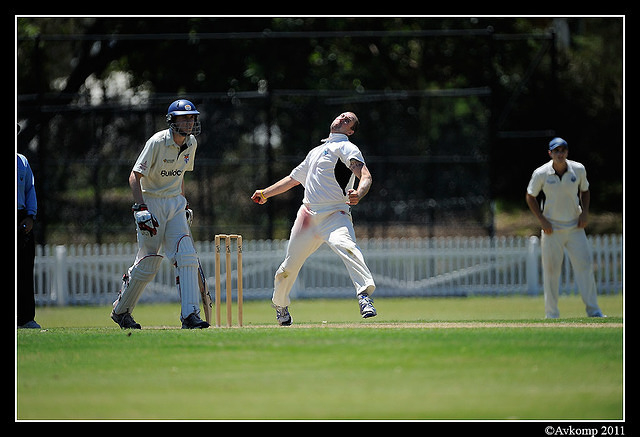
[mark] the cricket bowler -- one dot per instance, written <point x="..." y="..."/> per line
<point x="328" y="176"/>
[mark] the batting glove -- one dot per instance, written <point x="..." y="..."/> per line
<point x="146" y="221"/>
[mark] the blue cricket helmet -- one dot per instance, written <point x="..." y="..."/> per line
<point x="182" y="107"/>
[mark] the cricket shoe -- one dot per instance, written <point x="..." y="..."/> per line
<point x="282" y="315"/>
<point x="194" y="322"/>
<point x="125" y="320"/>
<point x="366" y="306"/>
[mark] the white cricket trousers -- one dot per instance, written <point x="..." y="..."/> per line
<point x="574" y="240"/>
<point x="310" y="230"/>
<point x="174" y="236"/>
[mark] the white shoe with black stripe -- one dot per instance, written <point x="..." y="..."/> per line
<point x="282" y="315"/>
<point x="366" y="306"/>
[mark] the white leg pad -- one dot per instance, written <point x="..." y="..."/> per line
<point x="135" y="281"/>
<point x="187" y="277"/>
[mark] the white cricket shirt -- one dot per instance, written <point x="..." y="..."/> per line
<point x="163" y="165"/>
<point x="562" y="204"/>
<point x="323" y="191"/>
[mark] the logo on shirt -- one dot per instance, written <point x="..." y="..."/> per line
<point x="165" y="173"/>
<point x="186" y="158"/>
<point x="143" y="166"/>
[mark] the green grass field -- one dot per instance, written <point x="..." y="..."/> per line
<point x="419" y="359"/>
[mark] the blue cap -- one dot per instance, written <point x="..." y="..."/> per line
<point x="557" y="142"/>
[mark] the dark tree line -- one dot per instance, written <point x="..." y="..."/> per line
<point x="428" y="83"/>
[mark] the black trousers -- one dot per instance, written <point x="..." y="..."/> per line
<point x="25" y="256"/>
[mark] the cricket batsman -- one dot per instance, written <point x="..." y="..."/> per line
<point x="161" y="214"/>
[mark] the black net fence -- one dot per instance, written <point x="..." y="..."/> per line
<point x="427" y="152"/>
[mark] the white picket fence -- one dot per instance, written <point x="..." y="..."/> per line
<point x="452" y="266"/>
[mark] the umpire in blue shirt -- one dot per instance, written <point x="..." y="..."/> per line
<point x="26" y="247"/>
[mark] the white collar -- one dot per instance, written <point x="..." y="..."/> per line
<point x="333" y="136"/>
<point x="551" y="170"/>
<point x="169" y="141"/>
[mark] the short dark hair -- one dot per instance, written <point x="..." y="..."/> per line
<point x="356" y="123"/>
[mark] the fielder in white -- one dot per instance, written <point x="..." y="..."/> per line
<point x="161" y="213"/>
<point x="563" y="217"/>
<point x="325" y="214"/>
